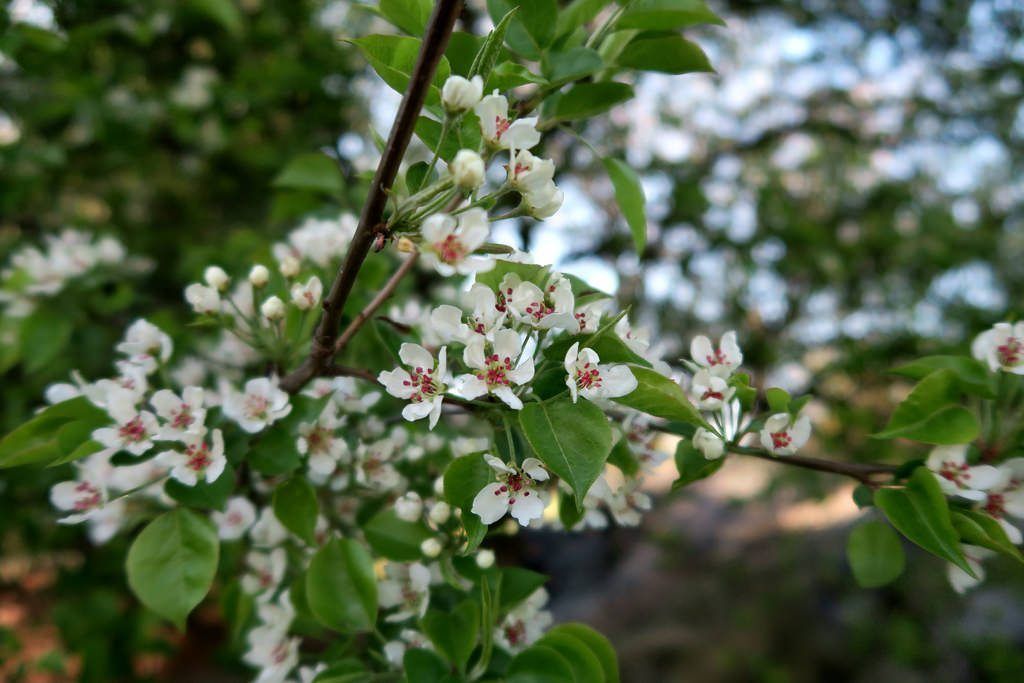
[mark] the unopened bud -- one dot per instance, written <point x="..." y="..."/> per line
<point x="467" y="168"/>
<point x="459" y="94"/>
<point x="431" y="548"/>
<point x="409" y="507"/>
<point x="259" y="275"/>
<point x="440" y="513"/>
<point x="439" y="486"/>
<point x="406" y="245"/>
<point x="216" y="278"/>
<point x="485" y="559"/>
<point x="273" y="308"/>
<point x="289" y="266"/>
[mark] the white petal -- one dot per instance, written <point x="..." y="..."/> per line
<point x="490" y="504"/>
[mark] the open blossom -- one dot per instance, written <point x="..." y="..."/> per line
<point x="374" y="467"/>
<point x="586" y="376"/>
<point x="1001" y="347"/>
<point x="322" y="444"/>
<point x="956" y="477"/>
<point x="182" y="415"/>
<point x="524" y="624"/>
<point x="273" y="653"/>
<point x="1006" y="497"/>
<point x="709" y="391"/>
<point x="239" y="514"/>
<point x="782" y="435"/>
<point x="84" y="499"/>
<point x="451" y="324"/>
<point x="135" y="429"/>
<point x="203" y="299"/>
<point x="199" y="461"/>
<point x="264" y="572"/>
<point x="319" y="240"/>
<point x="627" y="504"/>
<point x="306" y="296"/>
<point x="638" y="339"/>
<point x="449" y="242"/>
<point x="261" y="404"/>
<point x="711" y="446"/>
<point x="268" y="531"/>
<point x="515" y="492"/>
<point x="423" y="385"/>
<point x="497" y="367"/>
<point x="533" y="177"/>
<point x="499" y="131"/>
<point x="406" y="587"/>
<point x="146" y="345"/>
<point x="721" y="361"/>
<point x="408" y="638"/>
<point x="544" y="309"/>
<point x="588" y="316"/>
<point x="460" y="94"/>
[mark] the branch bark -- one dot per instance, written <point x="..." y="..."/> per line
<point x="383" y="295"/>
<point x="869" y="474"/>
<point x="442" y="22"/>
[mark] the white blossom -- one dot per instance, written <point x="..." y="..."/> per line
<point x="587" y="377"/>
<point x="497" y="366"/>
<point x="1001" y="347"/>
<point x="182" y="415"/>
<point x="261" y="404"/>
<point x="199" y="461"/>
<point x="956" y="477"/>
<point x="272" y="308"/>
<point x="215" y="277"/>
<point x="423" y="385"/>
<point x="460" y="94"/>
<point x="710" y="392"/>
<point x="525" y="623"/>
<point x="405" y="587"/>
<point x="781" y="435"/>
<point x="146" y="345"/>
<point x="515" y="492"/>
<point x="259" y="276"/>
<point x="322" y="444"/>
<point x="449" y="242"/>
<point x="306" y="296"/>
<point x="238" y="516"/>
<point x="710" y="445"/>
<point x="467" y="169"/>
<point x="134" y="429"/>
<point x="721" y="361"/>
<point x="499" y="131"/>
<point x="409" y="506"/>
<point x="203" y="299"/>
<point x="264" y="572"/>
<point x="553" y="307"/>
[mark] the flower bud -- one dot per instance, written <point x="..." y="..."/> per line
<point x="485" y="559"/>
<point x="440" y="513"/>
<point x="308" y="295"/>
<point x="289" y="266"/>
<point x="431" y="548"/>
<point x="406" y="245"/>
<point x="409" y="507"/>
<point x="467" y="168"/>
<point x="259" y="275"/>
<point x="439" y="486"/>
<point x="273" y="308"/>
<point x="460" y="94"/>
<point x="216" y="277"/>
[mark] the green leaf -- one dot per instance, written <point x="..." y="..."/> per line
<point x="274" y="453"/>
<point x="527" y="272"/>
<point x="531" y="28"/>
<point x="223" y="12"/>
<point x="517" y="584"/>
<point x="920" y="513"/>
<point x="172" y="562"/>
<point x="778" y="399"/>
<point x="44" y="335"/>
<point x="977" y="528"/>
<point x="666" y="54"/>
<point x="409" y="15"/>
<point x="454" y="632"/>
<point x="578" y="13"/>
<point x="571" y="65"/>
<point x="622" y="456"/>
<point x="597" y="644"/>
<point x="540" y="664"/>
<point x="489" y="52"/>
<point x="666" y="15"/>
<point x="57" y="434"/>
<point x="424" y="666"/>
<point x="394" y="538"/>
<point x="692" y="464"/>
<point x="588" y="99"/>
<point x="463" y="479"/>
<point x="658" y="395"/>
<point x="508" y="75"/>
<point x="296" y="507"/>
<point x="584" y="663"/>
<point x="311" y="172"/>
<point x="629" y="193"/>
<point x="341" y="588"/>
<point x="572" y="439"/>
<point x="930" y="413"/>
<point x="972" y="374"/>
<point x="875" y="554"/>
<point x="394" y="57"/>
<point x="209" y="496"/>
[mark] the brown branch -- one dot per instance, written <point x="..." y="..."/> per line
<point x="869" y="474"/>
<point x="383" y="295"/>
<point x="370" y="222"/>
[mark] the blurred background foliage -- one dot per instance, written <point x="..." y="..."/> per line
<point x="845" y="192"/>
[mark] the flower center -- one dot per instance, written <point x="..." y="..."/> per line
<point x="1011" y="353"/>
<point x="133" y="431"/>
<point x="515" y="633"/>
<point x="319" y="440"/>
<point x="716" y="358"/>
<point x="995" y="505"/>
<point x="88" y="497"/>
<point x="450" y="249"/>
<point x="954" y="472"/>
<point x="495" y="373"/>
<point x="515" y="484"/>
<point x="588" y="376"/>
<point x="198" y="458"/>
<point x="256" y="406"/>
<point x="183" y="418"/>
<point x="501" y="125"/>
<point x="781" y="439"/>
<point x="425" y="384"/>
<point x="712" y="394"/>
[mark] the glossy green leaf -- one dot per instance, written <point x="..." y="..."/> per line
<point x="666" y="15"/>
<point x="977" y="528"/>
<point x="341" y="588"/>
<point x="491" y="48"/>
<point x="409" y="15"/>
<point x="931" y="414"/>
<point x="532" y="27"/>
<point x="463" y="479"/>
<point x="573" y="440"/>
<point x="875" y="554"/>
<point x="584" y="100"/>
<point x="972" y="374"/>
<point x="172" y="562"/>
<point x="59" y="433"/>
<point x="45" y="333"/>
<point x="629" y="193"/>
<point x="692" y="464"/>
<point x="296" y="507"/>
<point x="666" y="54"/>
<point x="584" y="663"/>
<point x="208" y="496"/>
<point x="598" y="645"/>
<point x="394" y="538"/>
<point x="578" y="13"/>
<point x="540" y="664"/>
<point x="424" y="666"/>
<point x="394" y="57"/>
<point x="454" y="632"/>
<point x="311" y="172"/>
<point x="920" y="512"/>
<point x="660" y="396"/>
<point x="778" y="399"/>
<point x="571" y="65"/>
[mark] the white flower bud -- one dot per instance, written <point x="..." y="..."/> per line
<point x="409" y="507"/>
<point x="306" y="296"/>
<point x="272" y="308"/>
<point x="216" y="278"/>
<point x="440" y="513"/>
<point x="259" y="275"/>
<point x="289" y="266"/>
<point x="431" y="548"/>
<point x="467" y="168"/>
<point x="485" y="559"/>
<point x="460" y="94"/>
<point x="439" y="486"/>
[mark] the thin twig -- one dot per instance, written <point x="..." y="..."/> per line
<point x="383" y="295"/>
<point x="370" y="222"/>
<point x="869" y="474"/>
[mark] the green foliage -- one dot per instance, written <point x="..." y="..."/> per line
<point x="314" y="172"/>
<point x="585" y="100"/>
<point x="920" y="512"/>
<point x="977" y="528"/>
<point x="667" y="54"/>
<point x="666" y="15"/>
<point x="296" y="507"/>
<point x="573" y="440"/>
<point x="341" y="588"/>
<point x="409" y="15"/>
<point x="875" y="554"/>
<point x="393" y="58"/>
<point x="463" y="478"/>
<point x="394" y="538"/>
<point x="58" y="434"/>
<point x="932" y="414"/>
<point x="972" y="375"/>
<point x="692" y="464"/>
<point x="659" y="396"/>
<point x="629" y="193"/>
<point x="207" y="495"/>
<point x="454" y="632"/>
<point x="172" y="562"/>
